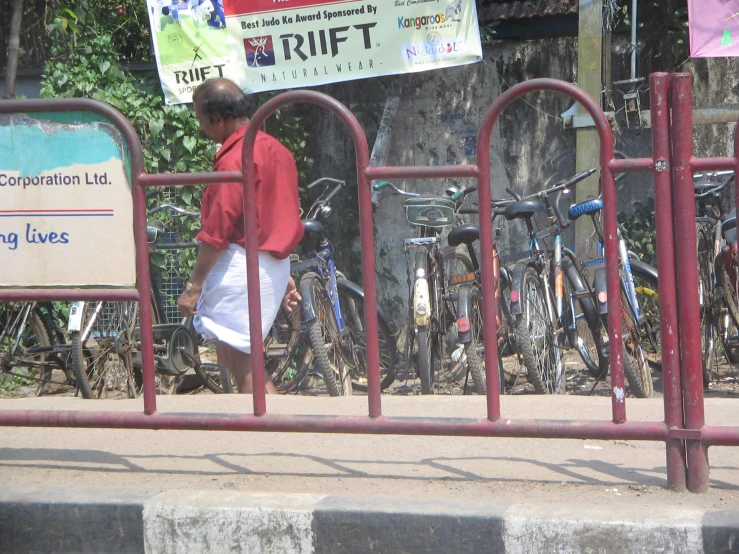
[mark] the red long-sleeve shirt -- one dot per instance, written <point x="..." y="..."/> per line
<point x="278" y="205"/>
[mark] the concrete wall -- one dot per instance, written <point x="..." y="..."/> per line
<point x="438" y="119"/>
<point x="437" y="123"/>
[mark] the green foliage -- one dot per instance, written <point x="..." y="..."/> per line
<point x="663" y="26"/>
<point x="638" y="231"/>
<point x="90" y="43"/>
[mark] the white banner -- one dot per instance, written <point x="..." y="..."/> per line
<point x="268" y="45"/>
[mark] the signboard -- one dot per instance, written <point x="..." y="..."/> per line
<point x="714" y="28"/>
<point x="66" y="208"/>
<point x="271" y="45"/>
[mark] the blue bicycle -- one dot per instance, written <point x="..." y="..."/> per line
<point x="332" y="309"/>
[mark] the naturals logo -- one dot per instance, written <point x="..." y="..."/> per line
<point x="453" y="13"/>
<point x="259" y="51"/>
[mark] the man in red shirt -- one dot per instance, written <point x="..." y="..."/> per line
<point x="216" y="293"/>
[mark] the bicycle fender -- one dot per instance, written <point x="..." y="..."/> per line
<point x="75" y="316"/>
<point x="344" y="284"/>
<point x="638" y="267"/>
<point x="308" y="303"/>
<point x="463" y="314"/>
<point x="421" y="297"/>
<point x="421" y="301"/>
<point x="516" y="276"/>
<point x="599" y="283"/>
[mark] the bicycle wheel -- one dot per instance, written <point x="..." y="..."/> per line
<point x="647" y="295"/>
<point x="284" y="353"/>
<point x="635" y="364"/>
<point x="24" y="348"/>
<point x="351" y="301"/>
<point x="475" y="363"/>
<point x="585" y="330"/>
<point x="323" y="332"/>
<point x="455" y="261"/>
<point x="425" y="359"/>
<point x="102" y="350"/>
<point x="728" y="332"/>
<point x="727" y="280"/>
<point x="535" y="335"/>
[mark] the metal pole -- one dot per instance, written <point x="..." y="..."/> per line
<point x="660" y="88"/>
<point x="251" y="230"/>
<point x="686" y="257"/>
<point x="633" y="38"/>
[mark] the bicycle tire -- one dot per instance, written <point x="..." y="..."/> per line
<point x="80" y="366"/>
<point x="475" y="362"/>
<point x="96" y="363"/>
<point x="33" y="335"/>
<point x="351" y="301"/>
<point x="588" y="327"/>
<point x="61" y="356"/>
<point x="728" y="331"/>
<point x="287" y="368"/>
<point x="425" y="359"/>
<point x="635" y="365"/>
<point x="728" y="290"/>
<point x="647" y="295"/>
<point x="327" y="359"/>
<point x="455" y="261"/>
<point x="538" y="351"/>
<point x="706" y="295"/>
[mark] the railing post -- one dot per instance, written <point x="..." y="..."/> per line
<point x="686" y="257"/>
<point x="660" y="88"/>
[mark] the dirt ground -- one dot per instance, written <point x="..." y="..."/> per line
<point x="578" y="382"/>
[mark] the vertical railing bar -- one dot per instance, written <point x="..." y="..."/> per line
<point x="675" y="448"/>
<point x="687" y="275"/>
<point x="251" y="230"/>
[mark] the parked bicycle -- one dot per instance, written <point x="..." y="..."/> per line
<point x="33" y="349"/>
<point x="717" y="263"/>
<point x="638" y="304"/>
<point x="332" y="309"/>
<point x="432" y="310"/>
<point x="106" y="339"/>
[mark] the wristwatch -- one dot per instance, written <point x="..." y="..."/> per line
<point x="194" y="288"/>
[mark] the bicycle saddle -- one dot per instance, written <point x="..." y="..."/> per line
<point x="587" y="207"/>
<point x="313" y="227"/>
<point x="728" y="227"/>
<point x="467" y="234"/>
<point x="524" y="209"/>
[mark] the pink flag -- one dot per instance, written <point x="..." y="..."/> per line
<point x="714" y="28"/>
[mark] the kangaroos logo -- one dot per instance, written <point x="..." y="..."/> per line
<point x="259" y="51"/>
<point x="454" y="11"/>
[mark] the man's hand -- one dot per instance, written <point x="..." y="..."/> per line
<point x="292" y="296"/>
<point x="187" y="302"/>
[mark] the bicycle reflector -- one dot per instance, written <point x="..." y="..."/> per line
<point x="514" y="296"/>
<point x="458" y="279"/>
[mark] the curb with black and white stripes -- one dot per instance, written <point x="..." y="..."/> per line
<point x="113" y="521"/>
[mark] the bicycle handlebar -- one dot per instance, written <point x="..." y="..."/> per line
<point x="717" y="188"/>
<point x="382" y="184"/>
<point x="460" y="194"/>
<point x="171" y="208"/>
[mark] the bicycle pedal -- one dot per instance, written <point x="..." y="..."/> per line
<point x="403" y="372"/>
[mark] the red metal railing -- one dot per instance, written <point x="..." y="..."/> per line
<point x="683" y="396"/>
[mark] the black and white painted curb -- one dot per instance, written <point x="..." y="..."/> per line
<point x="112" y="521"/>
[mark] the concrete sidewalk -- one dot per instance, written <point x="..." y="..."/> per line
<point x="356" y="493"/>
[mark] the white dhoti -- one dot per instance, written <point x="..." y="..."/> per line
<point x="223" y="309"/>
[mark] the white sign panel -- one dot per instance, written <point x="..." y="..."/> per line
<point x="66" y="209"/>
